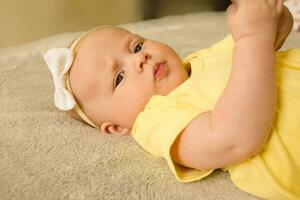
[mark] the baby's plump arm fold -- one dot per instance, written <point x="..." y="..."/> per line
<point x="242" y="118"/>
<point x="246" y="109"/>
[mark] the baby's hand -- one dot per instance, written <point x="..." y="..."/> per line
<point x="254" y="18"/>
<point x="285" y="26"/>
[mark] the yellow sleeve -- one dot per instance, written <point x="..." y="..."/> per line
<point x="157" y="127"/>
<point x="226" y="44"/>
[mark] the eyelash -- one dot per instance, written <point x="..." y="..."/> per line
<point x="121" y="74"/>
<point x="141" y="47"/>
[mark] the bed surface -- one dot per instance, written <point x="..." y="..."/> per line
<point x="45" y="154"/>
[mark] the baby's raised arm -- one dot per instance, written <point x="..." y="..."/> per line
<point x="285" y="26"/>
<point x="242" y="118"/>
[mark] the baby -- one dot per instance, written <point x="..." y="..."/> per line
<point x="234" y="106"/>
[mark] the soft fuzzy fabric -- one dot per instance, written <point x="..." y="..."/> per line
<point x="45" y="154"/>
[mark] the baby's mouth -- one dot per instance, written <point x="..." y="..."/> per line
<point x="160" y="70"/>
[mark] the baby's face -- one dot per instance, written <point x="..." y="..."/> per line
<point x="115" y="73"/>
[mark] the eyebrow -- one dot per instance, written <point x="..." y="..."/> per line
<point x="113" y="66"/>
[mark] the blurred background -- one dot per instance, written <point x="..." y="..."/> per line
<point x="24" y="21"/>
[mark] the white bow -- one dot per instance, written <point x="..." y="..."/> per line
<point x="59" y="61"/>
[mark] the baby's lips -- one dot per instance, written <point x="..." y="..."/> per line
<point x="159" y="70"/>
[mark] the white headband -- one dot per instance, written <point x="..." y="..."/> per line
<point x="59" y="62"/>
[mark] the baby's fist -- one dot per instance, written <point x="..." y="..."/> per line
<point x="285" y="26"/>
<point x="257" y="18"/>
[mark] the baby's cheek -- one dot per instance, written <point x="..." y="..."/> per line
<point x="134" y="106"/>
<point x="138" y="93"/>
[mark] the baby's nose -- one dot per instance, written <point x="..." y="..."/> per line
<point x="143" y="58"/>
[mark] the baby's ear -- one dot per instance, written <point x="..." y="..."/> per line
<point x="112" y="128"/>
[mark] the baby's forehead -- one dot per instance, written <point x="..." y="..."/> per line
<point x="98" y="45"/>
<point x="91" y="55"/>
<point x="102" y="35"/>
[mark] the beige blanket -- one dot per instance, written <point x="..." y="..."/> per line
<point x="45" y="154"/>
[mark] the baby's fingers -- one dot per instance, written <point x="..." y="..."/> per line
<point x="279" y="6"/>
<point x="272" y="2"/>
<point x="238" y="1"/>
<point x="231" y="9"/>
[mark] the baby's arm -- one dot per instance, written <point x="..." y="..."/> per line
<point x="242" y="118"/>
<point x="285" y="27"/>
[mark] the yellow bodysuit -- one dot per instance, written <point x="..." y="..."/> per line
<point x="272" y="174"/>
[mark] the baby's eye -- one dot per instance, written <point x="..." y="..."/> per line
<point x="119" y="78"/>
<point x="138" y="47"/>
